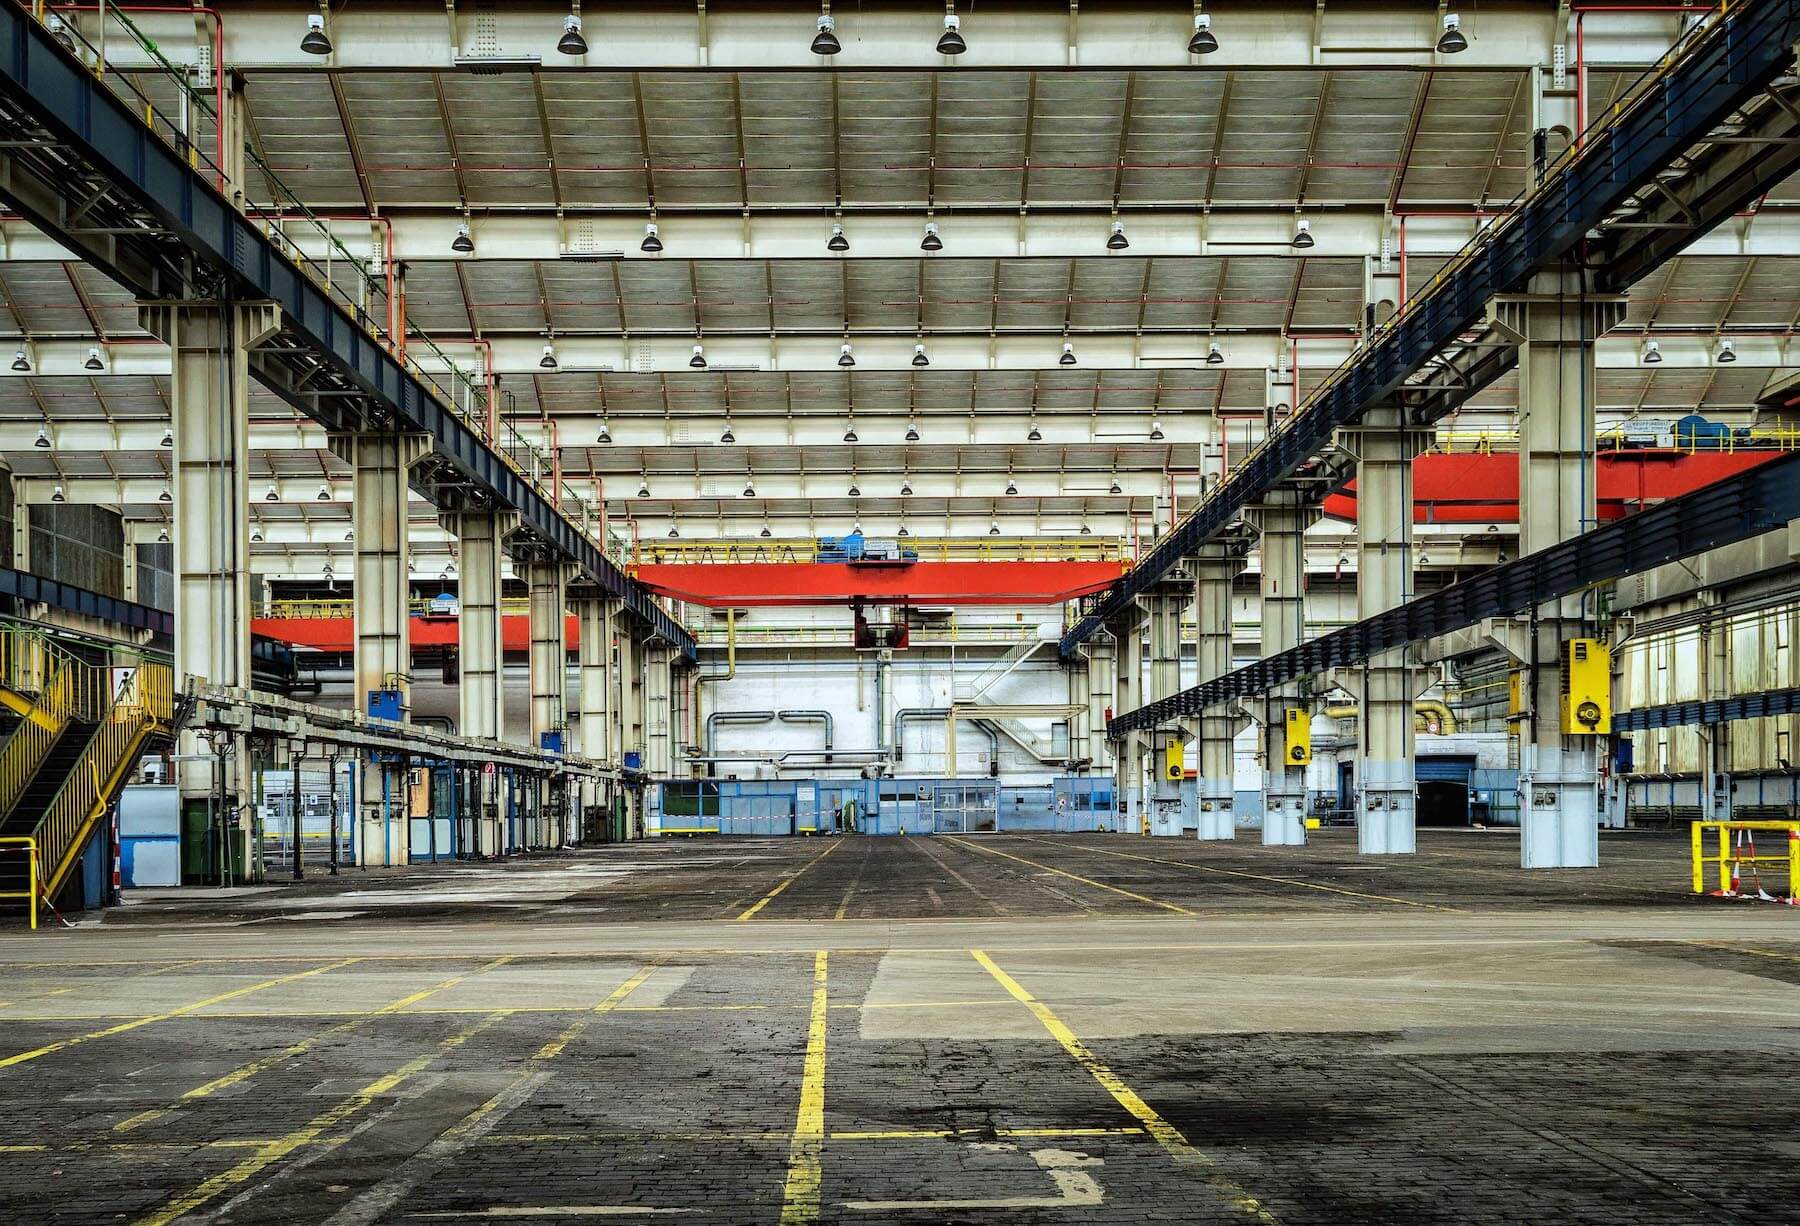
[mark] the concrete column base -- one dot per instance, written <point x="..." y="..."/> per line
<point x="1387" y="820"/>
<point x="1284" y="818"/>
<point x="1559" y="811"/>
<point x="1218" y="821"/>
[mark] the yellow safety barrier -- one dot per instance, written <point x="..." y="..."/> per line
<point x="30" y="895"/>
<point x="1733" y="856"/>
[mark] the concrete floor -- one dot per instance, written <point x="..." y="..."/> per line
<point x="993" y="1030"/>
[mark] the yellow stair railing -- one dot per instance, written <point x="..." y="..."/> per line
<point x="142" y="707"/>
<point x="48" y="687"/>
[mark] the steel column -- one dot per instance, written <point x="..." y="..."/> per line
<point x="595" y="615"/>
<point x="1559" y="316"/>
<point x="382" y="615"/>
<point x="1216" y="772"/>
<point x="1282" y="518"/>
<point x="1165" y="606"/>
<point x="210" y="421"/>
<point x="1387" y="797"/>
<point x="1128" y="695"/>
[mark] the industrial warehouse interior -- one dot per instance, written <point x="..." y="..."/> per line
<point x="997" y="611"/>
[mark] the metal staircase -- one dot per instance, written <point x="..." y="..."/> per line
<point x="974" y="693"/>
<point x="81" y="727"/>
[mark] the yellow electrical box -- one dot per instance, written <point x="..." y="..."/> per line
<point x="1174" y="761"/>
<point x="1586" y="687"/>
<point x="1515" y="692"/>
<point x="1299" y="735"/>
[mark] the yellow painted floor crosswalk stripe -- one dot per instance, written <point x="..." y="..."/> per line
<point x="805" y="1177"/>
<point x="180" y="1011"/>
<point x="770" y="897"/>
<point x="1165" y="1133"/>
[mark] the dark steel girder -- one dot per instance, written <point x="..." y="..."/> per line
<point x="1751" y="503"/>
<point x="1723" y="71"/>
<point x="1712" y="711"/>
<point x="167" y="234"/>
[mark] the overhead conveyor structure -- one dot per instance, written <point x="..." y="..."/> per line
<point x="154" y="221"/>
<point x="1704" y="134"/>
<point x="1732" y="510"/>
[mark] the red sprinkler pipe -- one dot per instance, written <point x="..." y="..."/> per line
<point x="218" y="57"/>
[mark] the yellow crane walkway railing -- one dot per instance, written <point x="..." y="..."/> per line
<point x="1737" y="851"/>
<point x="48" y="687"/>
<point x="143" y="706"/>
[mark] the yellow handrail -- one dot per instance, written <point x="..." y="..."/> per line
<point x="143" y="703"/>
<point x="31" y="876"/>
<point x="59" y="687"/>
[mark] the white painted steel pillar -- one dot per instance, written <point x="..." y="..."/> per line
<point x="1216" y="771"/>
<point x="1164" y="606"/>
<point x="209" y="391"/>
<point x="594" y="615"/>
<point x="1128" y="695"/>
<point x="547" y="613"/>
<point x="481" y="655"/>
<point x="382" y="615"/>
<point x="1386" y="684"/>
<point x="658" y="708"/>
<point x="1560" y="317"/>
<point x="1282" y="518"/>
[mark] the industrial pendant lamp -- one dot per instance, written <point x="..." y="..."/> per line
<point x="57" y="495"/>
<point x="1204" y="41"/>
<point x="912" y="433"/>
<point x="850" y="433"/>
<point x="1116" y="241"/>
<point x="845" y="357"/>
<point x="1086" y="531"/>
<point x="1156" y="431"/>
<point x="837" y="242"/>
<point x="605" y="434"/>
<point x="651" y="242"/>
<point x="951" y="42"/>
<point x="854" y="492"/>
<point x="749" y="489"/>
<point x="919" y="358"/>
<point x="1727" y="354"/>
<point x="464" y="242"/>
<point x="1214" y="355"/>
<point x="698" y="361"/>
<point x="1302" y="235"/>
<point x="825" y="42"/>
<point x="167" y="439"/>
<point x="571" y="42"/>
<point x="548" y="361"/>
<point x="1116" y="487"/>
<point x="43" y="438"/>
<point x="994" y="529"/>
<point x="644" y="487"/>
<point x="673" y="532"/>
<point x="1034" y="435"/>
<point x="20" y="362"/>
<point x="1452" y="40"/>
<point x="1068" y="355"/>
<point x="270" y="494"/>
<point x="765" y="533"/>
<point x="1012" y="487"/>
<point x="93" y="360"/>
<point x="906" y="489"/>
<point x="1652" y="353"/>
<point x="932" y="240"/>
<point x="903" y="531"/>
<point x="728" y="436"/>
<point x="324" y="494"/>
<point x="315" y="41"/>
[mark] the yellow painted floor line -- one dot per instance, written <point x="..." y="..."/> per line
<point x="805" y="1175"/>
<point x="180" y="1011"/>
<point x="613" y="1002"/>
<point x="1233" y="872"/>
<point x="1098" y="885"/>
<point x="309" y="1133"/>
<point x="255" y="1067"/>
<point x="766" y="899"/>
<point x="443" y="985"/>
<point x="1165" y="1133"/>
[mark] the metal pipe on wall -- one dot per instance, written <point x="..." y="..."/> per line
<point x="909" y="713"/>
<point x="730" y="717"/>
